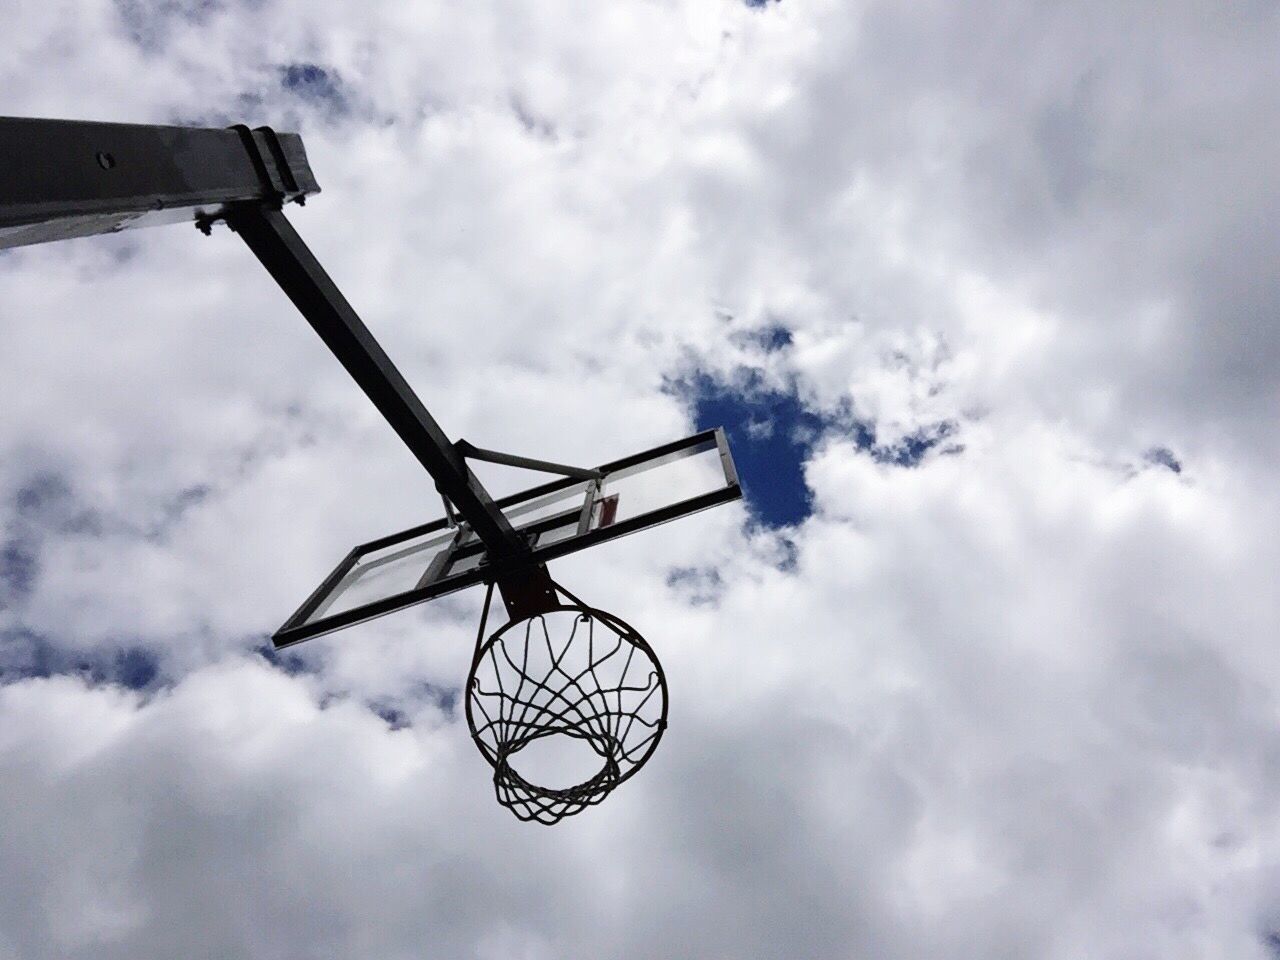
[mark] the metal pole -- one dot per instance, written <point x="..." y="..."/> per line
<point x="273" y="240"/>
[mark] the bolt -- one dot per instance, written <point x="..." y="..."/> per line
<point x="105" y="160"/>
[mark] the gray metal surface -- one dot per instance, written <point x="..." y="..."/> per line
<point x="61" y="179"/>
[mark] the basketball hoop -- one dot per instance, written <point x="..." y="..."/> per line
<point x="564" y="671"/>
<point x="559" y="671"/>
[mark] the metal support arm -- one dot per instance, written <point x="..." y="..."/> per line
<point x="277" y="245"/>
<point x="527" y="463"/>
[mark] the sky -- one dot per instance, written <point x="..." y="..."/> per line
<point x="983" y="665"/>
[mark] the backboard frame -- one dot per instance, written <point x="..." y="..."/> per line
<point x="300" y="626"/>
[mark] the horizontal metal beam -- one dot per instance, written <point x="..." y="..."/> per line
<point x="472" y="452"/>
<point x="67" y="178"/>
<point x="277" y="245"/>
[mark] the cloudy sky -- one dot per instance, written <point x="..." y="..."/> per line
<point x="985" y="664"/>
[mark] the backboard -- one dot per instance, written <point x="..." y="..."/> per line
<point x="555" y="518"/>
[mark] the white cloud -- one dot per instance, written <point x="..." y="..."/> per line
<point x="1017" y="701"/>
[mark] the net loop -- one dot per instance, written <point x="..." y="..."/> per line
<point x="568" y="671"/>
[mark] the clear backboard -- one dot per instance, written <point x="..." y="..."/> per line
<point x="555" y="518"/>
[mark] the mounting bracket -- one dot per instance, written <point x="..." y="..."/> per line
<point x="471" y="452"/>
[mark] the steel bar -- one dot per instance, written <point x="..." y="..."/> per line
<point x="472" y="452"/>
<point x="277" y="245"/>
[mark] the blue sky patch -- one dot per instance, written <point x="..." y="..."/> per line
<point x="42" y="497"/>
<point x="289" y="662"/>
<point x="446" y="698"/>
<point x="46" y="502"/>
<point x="26" y="654"/>
<point x="909" y="450"/>
<point x="396" y="711"/>
<point x="315" y="84"/>
<point x="1163" y="457"/>
<point x="150" y="24"/>
<point x="393" y="717"/>
<point x="172" y="513"/>
<point x="697" y="586"/>
<point x="771" y="339"/>
<point x="18" y="568"/>
<point x="772" y="433"/>
<point x="136" y="668"/>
